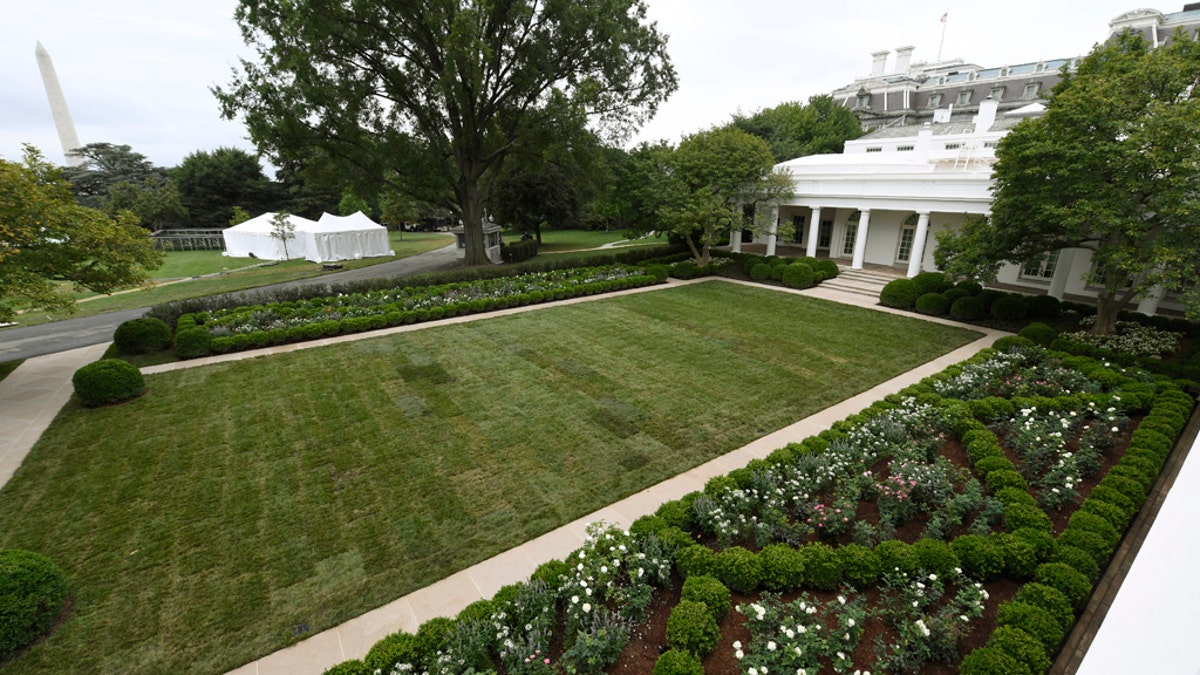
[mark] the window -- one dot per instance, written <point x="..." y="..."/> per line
<point x="935" y="100"/>
<point x="1099" y="278"/>
<point x="953" y="146"/>
<point x="798" y="229"/>
<point x="990" y="144"/>
<point x="851" y="233"/>
<point x="996" y="94"/>
<point x="825" y="234"/>
<point x="904" y="148"/>
<point x="1031" y="91"/>
<point x="908" y="235"/>
<point x="875" y="149"/>
<point x="864" y="100"/>
<point x="964" y="97"/>
<point x="1041" y="268"/>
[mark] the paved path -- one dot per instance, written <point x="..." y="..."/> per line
<point x="48" y="338"/>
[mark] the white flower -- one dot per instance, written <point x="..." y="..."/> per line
<point x="574" y="599"/>
<point x="739" y="654"/>
<point x="851" y="622"/>
<point x="737" y="644"/>
<point x="752" y="671"/>
<point x="921" y="625"/>
<point x="770" y="645"/>
<point x="587" y="607"/>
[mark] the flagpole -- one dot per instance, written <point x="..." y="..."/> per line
<point x="943" y="42"/>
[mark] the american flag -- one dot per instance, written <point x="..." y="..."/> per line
<point x="944" y="17"/>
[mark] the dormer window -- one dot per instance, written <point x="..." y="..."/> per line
<point x="864" y="100"/>
<point x="1031" y="91"/>
<point x="996" y="94"/>
<point x="935" y="100"/>
<point x="964" y="97"/>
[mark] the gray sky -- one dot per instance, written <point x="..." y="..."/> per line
<point x="138" y="72"/>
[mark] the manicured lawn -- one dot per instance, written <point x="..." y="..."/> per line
<point x="197" y="262"/>
<point x="203" y="523"/>
<point x="558" y="241"/>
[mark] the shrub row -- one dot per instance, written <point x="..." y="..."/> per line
<point x="935" y="294"/>
<point x="518" y="251"/>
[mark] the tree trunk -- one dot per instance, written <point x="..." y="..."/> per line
<point x="1109" y="304"/>
<point x="537" y="232"/>
<point x="472" y="217"/>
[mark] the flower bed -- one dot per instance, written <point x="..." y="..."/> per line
<point x="928" y="532"/>
<point x="252" y="327"/>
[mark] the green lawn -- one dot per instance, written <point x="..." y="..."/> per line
<point x="200" y="524"/>
<point x="191" y="263"/>
<point x="559" y="241"/>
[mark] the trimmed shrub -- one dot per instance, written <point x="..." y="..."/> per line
<point x="932" y="282"/>
<point x="695" y="560"/>
<point x="1043" y="543"/>
<point x="971" y="286"/>
<point x="1020" y="557"/>
<point x="860" y="566"/>
<point x="1050" y="599"/>
<point x="142" y="336"/>
<point x="659" y="272"/>
<point x="1039" y="333"/>
<point x="1116" y="516"/>
<point x="678" y="662"/>
<point x="987" y="465"/>
<point x="798" y="275"/>
<point x="1043" y="307"/>
<point x="551" y="573"/>
<point x="1091" y="543"/>
<point x="1022" y="646"/>
<point x="691" y="627"/>
<point x="739" y="569"/>
<point x="1080" y="559"/>
<point x="955" y="294"/>
<point x="351" y="667"/>
<point x="969" y="308"/>
<point x="1033" y="620"/>
<point x="896" y="555"/>
<point x="108" y="381"/>
<point x="782" y="567"/>
<point x="193" y="343"/>
<point x="1011" y="342"/>
<point x="32" y="592"/>
<point x="710" y="591"/>
<point x="989" y="296"/>
<point x="760" y="272"/>
<point x="1011" y="307"/>
<point x="399" y="647"/>
<point x="981" y="557"/>
<point x="822" y="566"/>
<point x="1073" y="583"/>
<point x="827" y="266"/>
<point x="933" y="304"/>
<point x="900" y="294"/>
<point x="1023" y="516"/>
<point x="935" y="556"/>
<point x="1090" y="522"/>
<point x="992" y="661"/>
<point x="998" y="480"/>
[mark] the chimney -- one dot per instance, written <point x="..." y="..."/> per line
<point x="878" y="62"/>
<point x="903" y="56"/>
<point x="987" y="115"/>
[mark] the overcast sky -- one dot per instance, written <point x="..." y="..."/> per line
<point x="138" y="72"/>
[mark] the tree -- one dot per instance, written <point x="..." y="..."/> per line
<point x="529" y="198"/>
<point x="711" y="176"/>
<point x="212" y="183"/>
<point x="105" y="165"/>
<point x="283" y="229"/>
<point x="47" y="240"/>
<point x="793" y="130"/>
<point x="441" y="91"/>
<point x="1113" y="166"/>
<point x="156" y="202"/>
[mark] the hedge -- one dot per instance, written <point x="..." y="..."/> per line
<point x="32" y="592"/>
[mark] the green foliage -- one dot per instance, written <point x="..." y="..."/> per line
<point x="992" y="661"/>
<point x="782" y="567"/>
<point x="1050" y="599"/>
<point x="1040" y="540"/>
<point x="860" y="566"/>
<point x="1011" y="307"/>
<point x="998" y="480"/>
<point x="1009" y="343"/>
<point x="691" y="627"/>
<point x="1090" y="522"/>
<point x="1073" y="583"/>
<point x="970" y="308"/>
<point x="710" y="591"/>
<point x="351" y="667"/>
<point x="1033" y="620"/>
<point x="898" y="556"/>
<point x="399" y="647"/>
<point x="32" y="592"/>
<point x="552" y="573"/>
<point x="933" y="304"/>
<point x="107" y="381"/>
<point x="1020" y="557"/>
<point x="1079" y="559"/>
<point x="981" y="557"/>
<point x="900" y="294"/>
<point x="193" y="343"/>
<point x="213" y="183"/>
<point x="1039" y="333"/>
<point x="798" y="275"/>
<point x="829" y="267"/>
<point x="935" y="556"/>
<point x="820" y="126"/>
<point x="1091" y="543"/>
<point x="971" y="286"/>
<point x="739" y="569"/>
<point x="678" y="662"/>
<point x="760" y="272"/>
<point x="696" y="560"/>
<point x="524" y="249"/>
<point x="932" y="282"/>
<point x="822" y="566"/>
<point x="1043" y="307"/>
<point x="142" y="336"/>
<point x="1022" y="646"/>
<point x="1025" y="516"/>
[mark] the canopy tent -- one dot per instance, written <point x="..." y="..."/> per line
<point x="345" y="238"/>
<point x="331" y="238"/>
<point x="253" y="239"/>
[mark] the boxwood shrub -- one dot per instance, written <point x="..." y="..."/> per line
<point x="709" y="590"/>
<point x="981" y="557"/>
<point x="1073" y="583"/>
<point x="971" y="286"/>
<point x="992" y="661"/>
<point x="32" y="592"/>
<point x="1021" y="646"/>
<point x="898" y="555"/>
<point x="1090" y="542"/>
<point x="696" y="560"/>
<point x="827" y="266"/>
<point x="1033" y="620"/>
<point x="969" y="308"/>
<point x="1010" y="307"/>
<point x="1039" y="333"/>
<point x="142" y="336"/>
<point x="351" y="667"/>
<point x="860" y="566"/>
<point x="1043" y="307"/>
<point x="900" y="294"/>
<point x="1080" y="559"/>
<point x="108" y="381"/>
<point x="933" y="304"/>
<point x="193" y="343"/>
<point x="797" y="275"/>
<point x="760" y="272"/>
<point x="782" y="567"/>
<point x="397" y="648"/>
<point x="678" y="662"/>
<point x="691" y="627"/>
<point x="1050" y="599"/>
<point x="935" y="555"/>
<point x="1090" y="522"/>
<point x="822" y="566"/>
<point x="932" y="282"/>
<point x="739" y="569"/>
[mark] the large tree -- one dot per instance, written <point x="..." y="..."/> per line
<point x="48" y="241"/>
<point x="793" y="130"/>
<point x="212" y="183"/>
<point x="441" y="91"/>
<point x="105" y="165"/>
<point x="1113" y="166"/>
<point x="710" y="179"/>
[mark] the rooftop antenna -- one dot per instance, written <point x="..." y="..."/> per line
<point x="943" y="42"/>
<point x="58" y="108"/>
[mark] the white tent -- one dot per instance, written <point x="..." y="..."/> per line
<point x="345" y="238"/>
<point x="252" y="239"/>
<point x="330" y="238"/>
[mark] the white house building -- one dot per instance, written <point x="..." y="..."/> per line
<point x="926" y="165"/>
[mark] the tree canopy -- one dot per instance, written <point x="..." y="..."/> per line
<point x="212" y="183"/>
<point x="1113" y="167"/>
<point x="105" y="165"/>
<point x="792" y="130"/>
<point x="441" y="91"/>
<point x="47" y="238"/>
<point x="708" y="181"/>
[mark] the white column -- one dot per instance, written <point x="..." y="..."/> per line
<point x="1062" y="273"/>
<point x="1148" y="304"/>
<point x="735" y="230"/>
<point x="774" y="228"/>
<point x="814" y="231"/>
<point x="860" y="240"/>
<point x="917" y="255"/>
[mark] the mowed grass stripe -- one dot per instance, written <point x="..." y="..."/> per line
<point x="201" y="524"/>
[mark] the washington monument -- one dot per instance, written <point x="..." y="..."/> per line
<point x="58" y="107"/>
